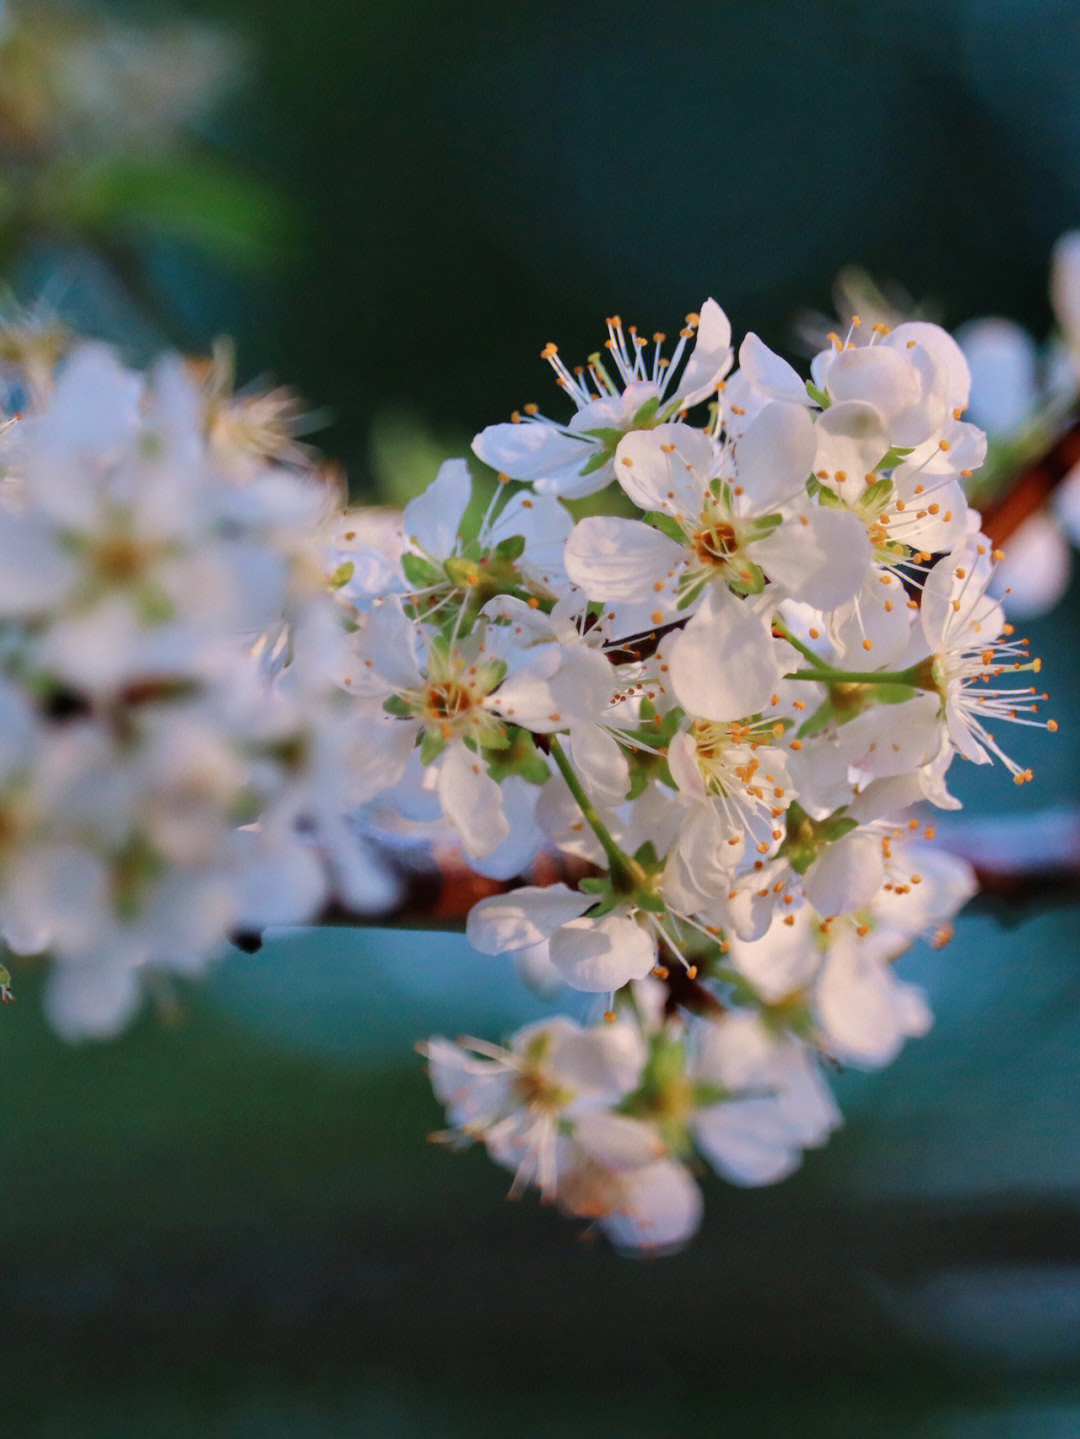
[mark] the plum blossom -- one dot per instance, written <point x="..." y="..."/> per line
<point x="218" y="688"/>
<point x="577" y="458"/>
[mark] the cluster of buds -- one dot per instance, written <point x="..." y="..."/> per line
<point x="720" y="702"/>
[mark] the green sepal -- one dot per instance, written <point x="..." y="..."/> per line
<point x="431" y="747"/>
<point x="819" y="720"/>
<point x="764" y="526"/>
<point x="490" y="674"/>
<point x="894" y="694"/>
<point x="593" y="884"/>
<point x="754" y="584"/>
<point x="708" y="1094"/>
<point x="519" y="757"/>
<point x="819" y="397"/>
<point x="892" y="457"/>
<point x="595" y="462"/>
<point x="343" y="574"/>
<point x="438" y="649"/>
<point x="835" y="826"/>
<point x="666" y="1062"/>
<point x="509" y="549"/>
<point x="876" y="493"/>
<point x="667" y="525"/>
<point x="806" y="837"/>
<point x="690" y="594"/>
<point x="607" y="903"/>
<point x="646" y="413"/>
<point x="420" y="572"/>
<point x="497" y="739"/>
<point x="395" y="705"/>
<point x="608" y="435"/>
<point x="154" y="605"/>
<point x="647" y="900"/>
<point x="822" y="493"/>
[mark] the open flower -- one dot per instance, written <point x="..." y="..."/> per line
<point x="578" y="458"/>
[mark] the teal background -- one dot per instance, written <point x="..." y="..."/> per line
<point x="227" y="1223"/>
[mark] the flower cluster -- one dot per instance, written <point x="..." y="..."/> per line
<point x="721" y="699"/>
<point x="718" y="694"/>
<point x="175" y="757"/>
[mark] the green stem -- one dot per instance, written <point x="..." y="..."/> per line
<point x="908" y="677"/>
<point x="622" y="866"/>
<point x="804" y="650"/>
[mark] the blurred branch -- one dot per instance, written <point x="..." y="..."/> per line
<point x="1033" y="487"/>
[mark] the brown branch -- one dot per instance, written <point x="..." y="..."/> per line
<point x="1003" y="514"/>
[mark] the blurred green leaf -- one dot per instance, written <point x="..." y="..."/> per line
<point x="201" y="199"/>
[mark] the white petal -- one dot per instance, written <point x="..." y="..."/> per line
<point x="91" y="1000"/>
<point x="471" y="801"/>
<point x="821" y="557"/>
<point x="952" y="378"/>
<point x="1034" y="574"/>
<point x="846" y="875"/>
<point x="776" y="454"/>
<point x="724" y="665"/>
<point x="1065" y="284"/>
<point x="851" y="441"/>
<point x="768" y="373"/>
<point x="666" y="469"/>
<point x="600" y="763"/>
<point x="544" y="524"/>
<point x="34" y="571"/>
<point x="748" y="1141"/>
<point x="784" y="959"/>
<point x="618" y="559"/>
<point x="881" y="377"/>
<point x="658" y="1208"/>
<point x="387" y="640"/>
<point x="1066" y="504"/>
<point x="527" y="916"/>
<point x="525" y="840"/>
<point x="893" y="739"/>
<point x="433" y="519"/>
<point x="711" y="357"/>
<point x="604" y="954"/>
<point x="616" y="1141"/>
<point x="1003" y="360"/>
<point x="866" y="1011"/>
<point x="533" y="451"/>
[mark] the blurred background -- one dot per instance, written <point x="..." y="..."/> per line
<point x="227" y="1223"/>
